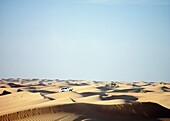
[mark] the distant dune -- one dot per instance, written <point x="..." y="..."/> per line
<point x="41" y="100"/>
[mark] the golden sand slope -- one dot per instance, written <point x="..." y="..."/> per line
<point x="18" y="101"/>
<point x="82" y="111"/>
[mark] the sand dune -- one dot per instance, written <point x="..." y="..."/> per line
<point x="17" y="101"/>
<point x="41" y="100"/>
<point x="4" y="86"/>
<point x="165" y="89"/>
<point x="82" y="111"/>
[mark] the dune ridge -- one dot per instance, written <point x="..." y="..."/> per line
<point x="131" y="111"/>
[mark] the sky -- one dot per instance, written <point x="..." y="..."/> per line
<point x="126" y="40"/>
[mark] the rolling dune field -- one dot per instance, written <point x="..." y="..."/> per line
<point x="41" y="100"/>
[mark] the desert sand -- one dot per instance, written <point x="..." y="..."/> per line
<point x="41" y="100"/>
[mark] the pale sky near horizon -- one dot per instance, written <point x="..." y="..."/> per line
<point x="125" y="40"/>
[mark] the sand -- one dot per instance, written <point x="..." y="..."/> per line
<point x="41" y="100"/>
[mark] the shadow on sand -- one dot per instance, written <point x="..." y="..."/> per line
<point x="5" y="92"/>
<point x="82" y="84"/>
<point x="137" y="111"/>
<point x="103" y="96"/>
<point x="15" y="85"/>
<point x="165" y="89"/>
<point x="86" y="94"/>
<point x="127" y="98"/>
<point x="132" y="90"/>
<point x="42" y="91"/>
<point x="103" y="88"/>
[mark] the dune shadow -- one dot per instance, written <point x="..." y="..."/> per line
<point x="86" y="94"/>
<point x="5" y="92"/>
<point x="40" y="84"/>
<point x="30" y="87"/>
<point x="3" y="87"/>
<point x="132" y="90"/>
<point x="135" y="85"/>
<point x="127" y="98"/>
<point x="104" y="88"/>
<point x="19" y="90"/>
<point x="124" y="112"/>
<point x="36" y="85"/>
<point x="15" y="85"/>
<point x="137" y="111"/>
<point x="165" y="89"/>
<point x="42" y="91"/>
<point x="82" y="84"/>
<point x="46" y="97"/>
<point x="103" y="96"/>
<point x="146" y="84"/>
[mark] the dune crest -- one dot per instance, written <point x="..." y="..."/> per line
<point x="132" y="111"/>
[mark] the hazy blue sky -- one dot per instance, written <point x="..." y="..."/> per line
<point x="85" y="39"/>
